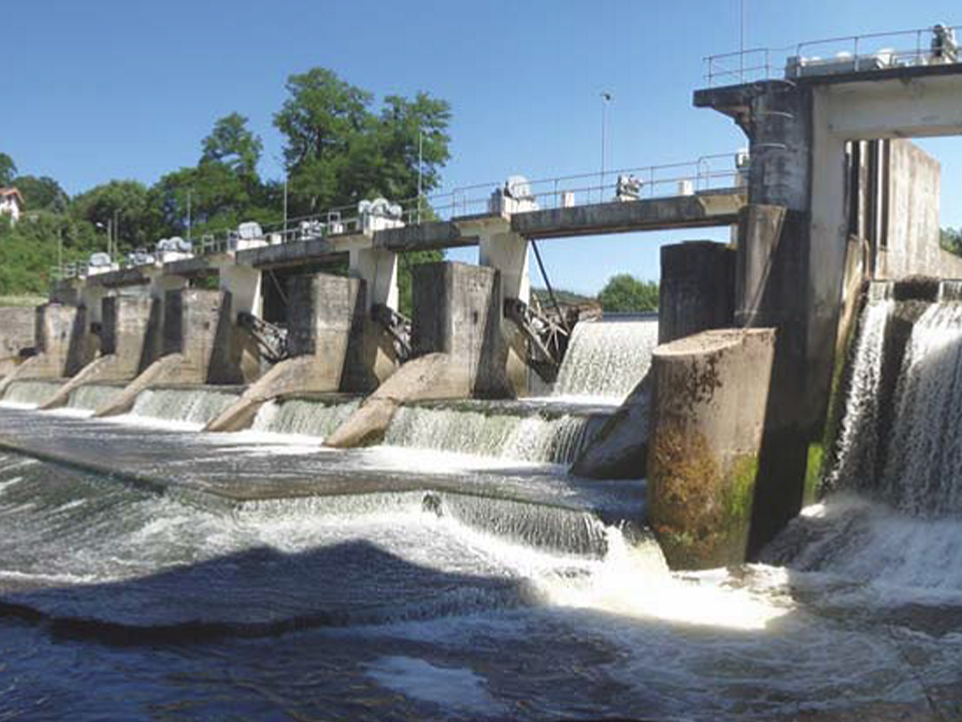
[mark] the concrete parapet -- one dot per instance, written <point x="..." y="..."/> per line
<point x="708" y="408"/>
<point x="697" y="290"/>
<point x="457" y="312"/>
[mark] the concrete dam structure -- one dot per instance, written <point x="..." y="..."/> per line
<point x="747" y="504"/>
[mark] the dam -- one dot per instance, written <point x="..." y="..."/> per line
<point x="237" y="482"/>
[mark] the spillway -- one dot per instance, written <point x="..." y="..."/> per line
<point x="509" y="432"/>
<point x="315" y="417"/>
<point x="606" y="359"/>
<point x="90" y="397"/>
<point x="189" y="406"/>
<point x="901" y="431"/>
<point x="31" y="393"/>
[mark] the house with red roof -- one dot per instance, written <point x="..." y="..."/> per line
<point x="11" y="203"/>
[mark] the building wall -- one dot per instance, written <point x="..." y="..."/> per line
<point x="11" y="207"/>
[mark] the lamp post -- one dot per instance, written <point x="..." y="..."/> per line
<point x="606" y="98"/>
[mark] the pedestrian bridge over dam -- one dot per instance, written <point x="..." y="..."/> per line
<point x="828" y="196"/>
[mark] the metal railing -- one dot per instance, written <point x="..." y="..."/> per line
<point x="709" y="172"/>
<point x="869" y="51"/>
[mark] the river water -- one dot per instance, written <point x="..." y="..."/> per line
<point x="452" y="573"/>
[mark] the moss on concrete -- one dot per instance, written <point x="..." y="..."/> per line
<point x="813" y="473"/>
<point x="700" y="508"/>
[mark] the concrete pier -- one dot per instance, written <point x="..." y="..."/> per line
<point x="708" y="407"/>
<point x="458" y="345"/>
<point x="458" y="312"/>
<point x="17" y="333"/>
<point x="124" y="342"/>
<point x="324" y="311"/>
<point x="196" y="322"/>
<point x="60" y="333"/>
<point x="697" y="289"/>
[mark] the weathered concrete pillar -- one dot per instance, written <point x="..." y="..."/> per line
<point x="196" y="328"/>
<point x="17" y="333"/>
<point x="458" y="343"/>
<point x="59" y="331"/>
<point x="458" y="312"/>
<point x="371" y="355"/>
<point x="707" y="415"/>
<point x="323" y="313"/>
<point x="697" y="289"/>
<point x="124" y="346"/>
<point x="507" y="252"/>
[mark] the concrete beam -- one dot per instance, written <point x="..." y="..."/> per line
<point x="119" y="279"/>
<point x="433" y="235"/>
<point x="696" y="211"/>
<point x="290" y="254"/>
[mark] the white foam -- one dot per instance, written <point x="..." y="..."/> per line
<point x="457" y="687"/>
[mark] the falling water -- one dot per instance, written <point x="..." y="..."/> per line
<point x="518" y="436"/>
<point x="196" y="406"/>
<point x="922" y="451"/>
<point x="304" y="417"/>
<point x="91" y="397"/>
<point x="924" y="470"/>
<point x="31" y="393"/>
<point x="858" y="434"/>
<point x="606" y="360"/>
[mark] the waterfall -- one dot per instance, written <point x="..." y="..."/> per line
<point x="606" y="360"/>
<point x="924" y="469"/>
<point x="903" y="440"/>
<point x="191" y="405"/>
<point x="31" y="393"/>
<point x="304" y="417"/>
<point x="494" y="433"/>
<point x="858" y="432"/>
<point x="91" y="397"/>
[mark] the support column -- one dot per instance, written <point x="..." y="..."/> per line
<point x="242" y="362"/>
<point x="507" y="252"/>
<point x="371" y="357"/>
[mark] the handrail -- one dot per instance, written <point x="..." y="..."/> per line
<point x="764" y="59"/>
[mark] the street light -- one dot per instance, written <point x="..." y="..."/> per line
<point x="606" y="98"/>
<point x="106" y="228"/>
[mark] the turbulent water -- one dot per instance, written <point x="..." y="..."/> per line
<point x="268" y="578"/>
<point x="304" y="417"/>
<point x="31" y="393"/>
<point x="606" y="360"/>
<point x="90" y="397"/>
<point x="189" y="407"/>
<point x="505" y="435"/>
<point x="902" y="441"/>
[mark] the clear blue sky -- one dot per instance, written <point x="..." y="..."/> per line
<point x="104" y="89"/>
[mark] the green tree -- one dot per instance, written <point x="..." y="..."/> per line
<point x="951" y="240"/>
<point x="232" y="144"/>
<point x="127" y="201"/>
<point x="626" y="294"/>
<point x="8" y="170"/>
<point x="42" y="194"/>
<point x="338" y="151"/>
<point x="30" y="249"/>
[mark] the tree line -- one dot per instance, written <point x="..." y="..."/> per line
<point x="339" y="147"/>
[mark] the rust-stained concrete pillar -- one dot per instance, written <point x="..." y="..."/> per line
<point x="707" y="416"/>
